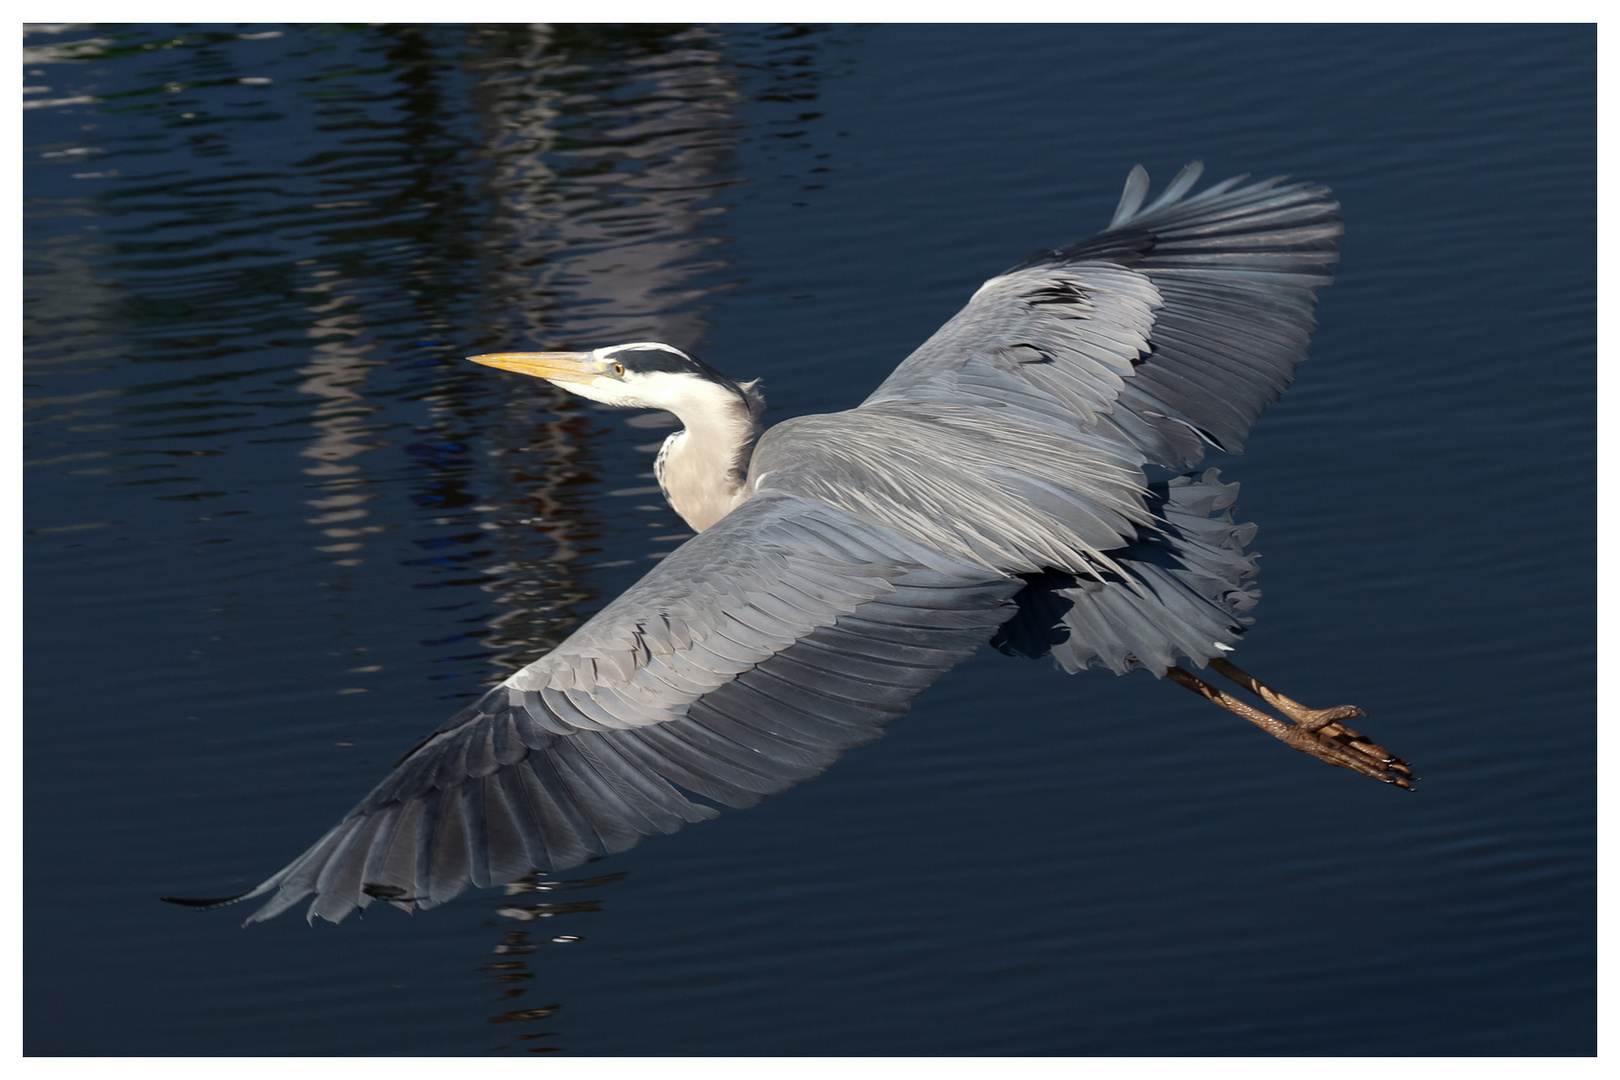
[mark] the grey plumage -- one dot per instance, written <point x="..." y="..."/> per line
<point x="868" y="551"/>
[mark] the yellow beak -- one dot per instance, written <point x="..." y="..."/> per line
<point x="577" y="367"/>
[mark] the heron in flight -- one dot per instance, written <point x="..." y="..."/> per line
<point x="996" y="486"/>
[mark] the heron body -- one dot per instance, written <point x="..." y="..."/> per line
<point x="996" y="486"/>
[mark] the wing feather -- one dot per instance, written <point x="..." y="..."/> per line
<point x="1170" y="331"/>
<point x="549" y="768"/>
<point x="880" y="547"/>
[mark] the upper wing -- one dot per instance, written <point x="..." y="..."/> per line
<point x="744" y="663"/>
<point x="1171" y="329"/>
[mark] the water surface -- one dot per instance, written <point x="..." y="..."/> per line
<point x="277" y="530"/>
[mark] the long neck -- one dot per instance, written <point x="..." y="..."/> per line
<point x="702" y="469"/>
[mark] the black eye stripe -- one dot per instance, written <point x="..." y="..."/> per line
<point x="649" y="359"/>
<point x="655" y="360"/>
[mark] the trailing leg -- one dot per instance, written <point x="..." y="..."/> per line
<point x="1317" y="732"/>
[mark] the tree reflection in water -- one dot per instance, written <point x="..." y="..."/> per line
<point x="510" y="970"/>
<point x="255" y="310"/>
<point x="610" y="149"/>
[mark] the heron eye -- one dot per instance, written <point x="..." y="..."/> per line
<point x="618" y="370"/>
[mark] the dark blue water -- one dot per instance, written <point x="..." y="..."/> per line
<point x="277" y="530"/>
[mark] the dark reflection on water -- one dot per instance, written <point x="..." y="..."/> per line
<point x="325" y="254"/>
<point x="511" y="971"/>
<point x="276" y="529"/>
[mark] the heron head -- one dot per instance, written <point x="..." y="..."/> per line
<point x="639" y="375"/>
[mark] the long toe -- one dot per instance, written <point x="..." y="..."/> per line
<point x="1354" y="750"/>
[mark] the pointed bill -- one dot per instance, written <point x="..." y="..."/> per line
<point x="574" y="367"/>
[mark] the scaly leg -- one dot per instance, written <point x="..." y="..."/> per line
<point x="1314" y="731"/>
<point x="1309" y="719"/>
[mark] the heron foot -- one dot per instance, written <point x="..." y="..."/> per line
<point x="1307" y="718"/>
<point x="1318" y="732"/>
<point x="1338" y="745"/>
<point x="1316" y="719"/>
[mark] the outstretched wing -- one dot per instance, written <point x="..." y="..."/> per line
<point x="1170" y="330"/>
<point x="745" y="662"/>
<point x="810" y="616"/>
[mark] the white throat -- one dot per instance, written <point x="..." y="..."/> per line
<point x="702" y="468"/>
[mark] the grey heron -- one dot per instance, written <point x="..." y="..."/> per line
<point x="995" y="486"/>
